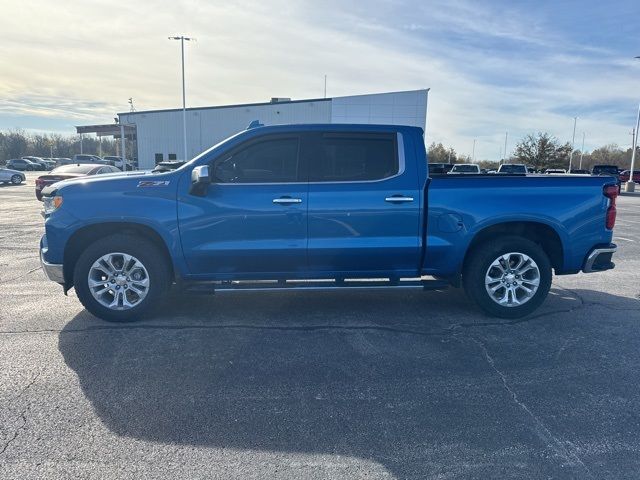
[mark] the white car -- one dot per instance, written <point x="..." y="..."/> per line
<point x="118" y="162"/>
<point x="14" y="177"/>
<point x="464" y="168"/>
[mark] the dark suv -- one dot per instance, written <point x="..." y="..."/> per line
<point x="23" y="164"/>
<point x="609" y="170"/>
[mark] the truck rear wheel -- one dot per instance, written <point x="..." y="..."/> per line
<point x="508" y="278"/>
<point x="119" y="278"/>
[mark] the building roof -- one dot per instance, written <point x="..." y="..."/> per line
<point x="105" y="130"/>
<point x="240" y="105"/>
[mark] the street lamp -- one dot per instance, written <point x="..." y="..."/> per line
<point x="573" y="141"/>
<point x="630" y="186"/>
<point x="182" y="39"/>
<point x="506" y="134"/>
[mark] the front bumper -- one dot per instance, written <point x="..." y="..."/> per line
<point x="599" y="259"/>
<point x="53" y="271"/>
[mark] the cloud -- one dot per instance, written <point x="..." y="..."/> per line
<point x="491" y="67"/>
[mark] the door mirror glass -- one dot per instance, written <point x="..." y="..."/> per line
<point x="200" y="180"/>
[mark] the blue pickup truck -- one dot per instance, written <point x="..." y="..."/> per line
<point x="322" y="206"/>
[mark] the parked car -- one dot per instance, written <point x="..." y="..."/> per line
<point x="579" y="171"/>
<point x="168" y="166"/>
<point x="607" y="170"/>
<point x="253" y="212"/>
<point x="125" y="165"/>
<point x="440" y="168"/>
<point x="36" y="160"/>
<point x="513" y="168"/>
<point x="63" y="161"/>
<point x="44" y="163"/>
<point x="23" y="164"/>
<point x="624" y="176"/>
<point x="14" y="177"/>
<point x="82" y="158"/>
<point x="71" y="171"/>
<point x="464" y="168"/>
<point x="555" y="171"/>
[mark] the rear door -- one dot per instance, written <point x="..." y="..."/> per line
<point x="364" y="208"/>
<point x="252" y="222"/>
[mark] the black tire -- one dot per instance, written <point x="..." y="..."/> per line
<point x="16" y="179"/>
<point x="153" y="259"/>
<point x="477" y="266"/>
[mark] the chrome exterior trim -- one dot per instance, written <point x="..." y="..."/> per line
<point x="401" y="169"/>
<point x="595" y="253"/>
<point x="53" y="271"/>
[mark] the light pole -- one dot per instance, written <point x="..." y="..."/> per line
<point x="573" y="141"/>
<point x="182" y="39"/>
<point x="473" y="152"/>
<point x="506" y="134"/>
<point x="630" y="186"/>
<point x="582" y="151"/>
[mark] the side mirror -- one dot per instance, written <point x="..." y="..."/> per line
<point x="200" y="180"/>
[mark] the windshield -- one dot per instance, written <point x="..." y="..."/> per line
<point x="512" y="169"/>
<point x="606" y="169"/>
<point x="74" y="169"/>
<point x="466" y="168"/>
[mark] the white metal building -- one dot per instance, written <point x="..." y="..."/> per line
<point x="159" y="132"/>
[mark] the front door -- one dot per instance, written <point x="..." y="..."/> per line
<point x="252" y="222"/>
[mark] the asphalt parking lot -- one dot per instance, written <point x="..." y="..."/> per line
<point x="394" y="384"/>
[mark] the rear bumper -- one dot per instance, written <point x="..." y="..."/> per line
<point x="599" y="259"/>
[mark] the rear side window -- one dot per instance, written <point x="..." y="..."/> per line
<point x="267" y="161"/>
<point x="353" y="157"/>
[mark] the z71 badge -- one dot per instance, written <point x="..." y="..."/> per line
<point x="153" y="183"/>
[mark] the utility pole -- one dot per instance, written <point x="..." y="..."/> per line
<point x="573" y="140"/>
<point x="582" y="151"/>
<point x="325" y="86"/>
<point x="182" y="39"/>
<point x="506" y="134"/>
<point x="630" y="186"/>
<point x="473" y="152"/>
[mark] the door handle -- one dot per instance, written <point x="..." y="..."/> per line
<point x="286" y="200"/>
<point x="398" y="199"/>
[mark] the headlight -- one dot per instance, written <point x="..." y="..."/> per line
<point x="51" y="204"/>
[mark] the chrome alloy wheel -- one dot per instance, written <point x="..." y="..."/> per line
<point x="118" y="281"/>
<point x="512" y="279"/>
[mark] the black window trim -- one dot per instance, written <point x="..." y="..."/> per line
<point x="399" y="148"/>
<point x="276" y="136"/>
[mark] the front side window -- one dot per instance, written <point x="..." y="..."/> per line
<point x="268" y="161"/>
<point x="353" y="157"/>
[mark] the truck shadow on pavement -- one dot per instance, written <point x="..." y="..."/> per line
<point x="394" y="378"/>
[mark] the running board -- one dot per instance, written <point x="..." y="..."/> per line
<point x="351" y="284"/>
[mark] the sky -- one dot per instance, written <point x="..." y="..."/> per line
<point x="492" y="66"/>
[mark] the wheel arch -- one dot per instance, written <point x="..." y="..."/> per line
<point x="84" y="236"/>
<point x="541" y="233"/>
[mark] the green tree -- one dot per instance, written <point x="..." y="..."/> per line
<point x="541" y="150"/>
<point x="438" y="153"/>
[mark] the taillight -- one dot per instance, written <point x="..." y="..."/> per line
<point x="611" y="192"/>
<point x="39" y="182"/>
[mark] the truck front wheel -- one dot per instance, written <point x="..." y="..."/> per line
<point x="509" y="277"/>
<point x="119" y="278"/>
